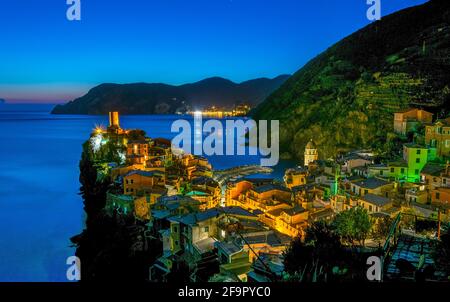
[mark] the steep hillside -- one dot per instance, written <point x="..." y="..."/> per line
<point x="143" y="98"/>
<point x="346" y="96"/>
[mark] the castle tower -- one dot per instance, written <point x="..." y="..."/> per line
<point x="311" y="153"/>
<point x="114" y="120"/>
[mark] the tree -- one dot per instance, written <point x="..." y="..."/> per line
<point x="317" y="258"/>
<point x="353" y="225"/>
<point x="137" y="134"/>
<point x="381" y="228"/>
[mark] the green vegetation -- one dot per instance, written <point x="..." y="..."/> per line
<point x="345" y="98"/>
<point x="111" y="247"/>
<point x="321" y="257"/>
<point x="353" y="225"/>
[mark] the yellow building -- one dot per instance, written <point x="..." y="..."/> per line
<point x="295" y="177"/>
<point x="374" y="203"/>
<point x="343" y="202"/>
<point x="371" y="186"/>
<point x="437" y="136"/>
<point x="311" y="153"/>
<point x="292" y="221"/>
<point x="266" y="197"/>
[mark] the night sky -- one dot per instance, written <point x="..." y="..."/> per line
<point x="46" y="58"/>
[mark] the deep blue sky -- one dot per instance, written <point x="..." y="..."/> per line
<point x="44" y="57"/>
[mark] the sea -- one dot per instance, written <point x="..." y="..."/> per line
<point x="40" y="205"/>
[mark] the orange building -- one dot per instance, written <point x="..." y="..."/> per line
<point x="440" y="196"/>
<point x="136" y="182"/>
<point x="437" y="136"/>
<point x="137" y="152"/>
<point x="410" y="119"/>
<point x="292" y="221"/>
<point x="237" y="189"/>
<point x="266" y="197"/>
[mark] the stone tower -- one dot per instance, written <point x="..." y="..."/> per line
<point x="114" y="120"/>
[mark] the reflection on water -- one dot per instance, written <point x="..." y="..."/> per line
<point x="40" y="208"/>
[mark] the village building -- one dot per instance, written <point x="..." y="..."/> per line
<point x="374" y="186"/>
<point x="343" y="202"/>
<point x="354" y="160"/>
<point x="374" y="203"/>
<point x="236" y="190"/>
<point x="416" y="157"/>
<point x="137" y="152"/>
<point x="266" y="197"/>
<point x="311" y="153"/>
<point x="437" y="136"/>
<point x="295" y="177"/>
<point x="409" y="120"/>
<point x="138" y="182"/>
<point x="378" y="170"/>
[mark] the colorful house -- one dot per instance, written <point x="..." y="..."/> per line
<point x="139" y="182"/>
<point x="236" y="190"/>
<point x="437" y="136"/>
<point x="374" y="203"/>
<point x="409" y="120"/>
<point x="416" y="157"/>
<point x="374" y="186"/>
<point x="440" y="196"/>
<point x="295" y="177"/>
<point x="137" y="152"/>
<point x="292" y="221"/>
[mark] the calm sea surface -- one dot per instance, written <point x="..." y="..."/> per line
<point x="40" y="208"/>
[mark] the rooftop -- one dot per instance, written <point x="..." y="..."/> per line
<point x="376" y="200"/>
<point x="271" y="238"/>
<point x="144" y="173"/>
<point x="371" y="183"/>
<point x="414" y="146"/>
<point x="270" y="187"/>
<point x="433" y="169"/>
<point x="295" y="210"/>
<point x="398" y="163"/>
<point x="229" y="248"/>
<point x="205" y="245"/>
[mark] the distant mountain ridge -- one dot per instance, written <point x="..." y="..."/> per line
<point x="158" y="98"/>
<point x="345" y="97"/>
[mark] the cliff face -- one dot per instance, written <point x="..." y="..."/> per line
<point x="142" y="98"/>
<point x="346" y="96"/>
